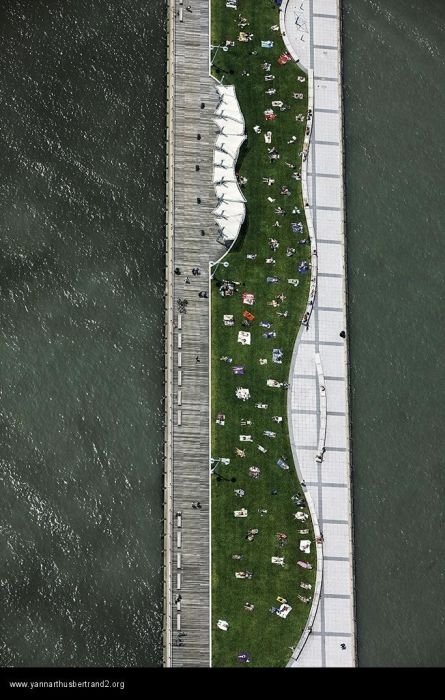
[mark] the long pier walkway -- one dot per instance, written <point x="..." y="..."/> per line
<point x="191" y="243"/>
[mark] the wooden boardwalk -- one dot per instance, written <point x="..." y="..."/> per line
<point x="191" y="103"/>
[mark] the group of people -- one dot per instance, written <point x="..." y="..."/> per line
<point x="297" y="228"/>
<point x="182" y="303"/>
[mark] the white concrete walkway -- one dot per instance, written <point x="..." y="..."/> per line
<point x="312" y="32"/>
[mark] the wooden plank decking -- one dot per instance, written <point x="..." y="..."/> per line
<point x="187" y="428"/>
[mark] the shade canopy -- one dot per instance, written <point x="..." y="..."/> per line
<point x="231" y="211"/>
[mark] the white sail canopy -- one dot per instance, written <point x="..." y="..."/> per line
<point x="231" y="210"/>
<point x="229" y="192"/>
<point x="229" y="144"/>
<point x="221" y="175"/>
<point x="228" y="126"/>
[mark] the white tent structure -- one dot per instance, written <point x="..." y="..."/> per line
<point x="229" y="144"/>
<point x="236" y="128"/>
<point x="229" y="216"/>
<point x="223" y="160"/>
<point x="229" y="192"/>
<point x="231" y="210"/>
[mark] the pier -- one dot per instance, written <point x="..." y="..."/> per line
<point x="318" y="400"/>
<point x="191" y="243"/>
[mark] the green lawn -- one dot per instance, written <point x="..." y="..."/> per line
<point x="265" y="636"/>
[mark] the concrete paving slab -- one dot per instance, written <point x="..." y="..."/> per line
<point x="325" y="7"/>
<point x="326" y="32"/>
<point x="335" y="502"/>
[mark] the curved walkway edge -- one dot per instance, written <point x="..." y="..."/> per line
<point x="309" y="308"/>
<point x="318" y="408"/>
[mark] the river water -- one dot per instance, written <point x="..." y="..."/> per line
<point x="82" y="118"/>
<point x="394" y="56"/>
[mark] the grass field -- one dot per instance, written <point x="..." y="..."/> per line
<point x="265" y="636"/>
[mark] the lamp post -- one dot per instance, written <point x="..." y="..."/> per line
<point x="219" y="477"/>
<point x="224" y="263"/>
<point x="217" y="47"/>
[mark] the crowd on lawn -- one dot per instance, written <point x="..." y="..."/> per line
<point x="254" y="451"/>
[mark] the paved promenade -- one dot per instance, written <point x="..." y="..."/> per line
<point x="191" y="103"/>
<point x="320" y="369"/>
